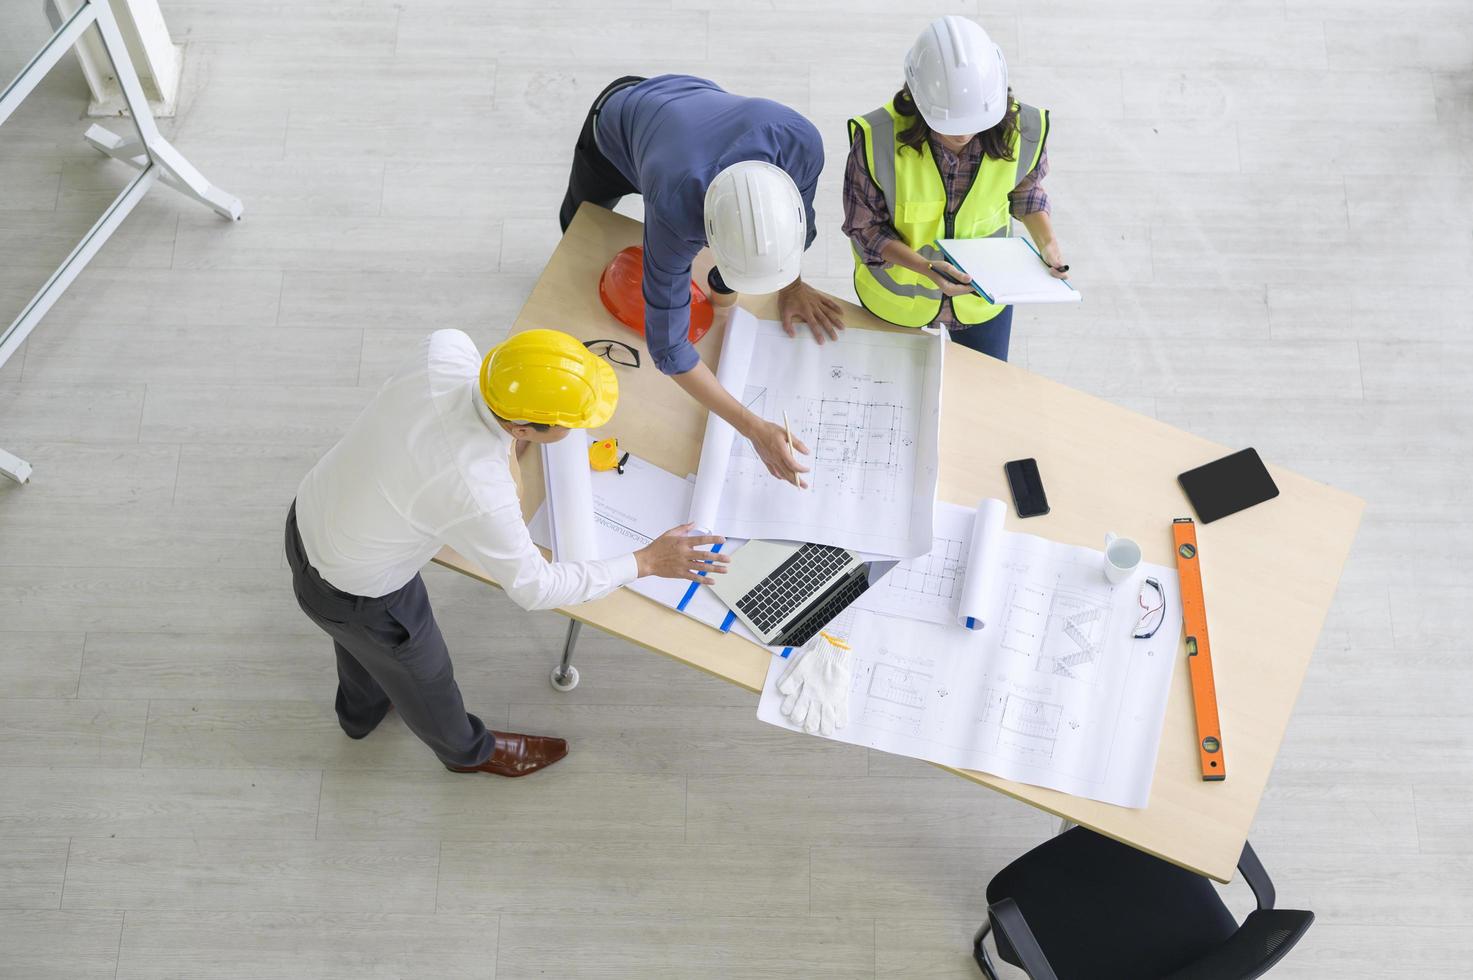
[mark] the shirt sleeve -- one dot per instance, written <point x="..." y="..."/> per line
<point x="808" y="189"/>
<point x="667" y="263"/>
<point x="498" y="541"/>
<point x="1029" y="197"/>
<point x="866" y="215"/>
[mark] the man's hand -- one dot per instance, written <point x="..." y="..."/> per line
<point x="677" y="554"/>
<point x="940" y="270"/>
<point x="1054" y="258"/>
<point x="771" y="442"/>
<point x="801" y="301"/>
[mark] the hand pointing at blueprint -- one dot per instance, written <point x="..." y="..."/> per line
<point x="869" y="410"/>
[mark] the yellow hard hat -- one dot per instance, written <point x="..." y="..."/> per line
<point x="549" y="377"/>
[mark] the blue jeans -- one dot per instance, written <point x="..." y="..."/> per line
<point x="991" y="338"/>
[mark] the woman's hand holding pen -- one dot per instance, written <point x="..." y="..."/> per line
<point x="949" y="279"/>
<point x="1053" y="257"/>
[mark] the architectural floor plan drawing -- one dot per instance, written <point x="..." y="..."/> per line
<point x="867" y="407"/>
<point x="928" y="587"/>
<point x="857" y="436"/>
<point x="1029" y="669"/>
<point x="1029" y="726"/>
<point x="1061" y="629"/>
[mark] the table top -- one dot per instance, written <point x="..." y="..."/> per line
<point x="1269" y="572"/>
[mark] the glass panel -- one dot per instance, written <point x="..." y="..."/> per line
<point x="53" y="184"/>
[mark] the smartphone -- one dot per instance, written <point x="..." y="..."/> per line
<point x="1228" y="485"/>
<point x="1027" y="487"/>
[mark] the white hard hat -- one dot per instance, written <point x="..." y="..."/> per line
<point x="756" y="226"/>
<point x="957" y="77"/>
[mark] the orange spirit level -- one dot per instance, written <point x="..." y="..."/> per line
<point x="1199" y="651"/>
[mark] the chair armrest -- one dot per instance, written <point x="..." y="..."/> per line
<point x="1014" y="928"/>
<point x="1264" y="938"/>
<point x="1257" y="877"/>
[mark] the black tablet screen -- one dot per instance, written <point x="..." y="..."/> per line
<point x="1228" y="485"/>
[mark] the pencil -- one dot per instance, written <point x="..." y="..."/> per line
<point x="791" y="452"/>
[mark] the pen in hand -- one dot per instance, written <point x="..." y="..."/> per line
<point x="946" y="275"/>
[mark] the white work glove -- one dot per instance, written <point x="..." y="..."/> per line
<point x="816" y="686"/>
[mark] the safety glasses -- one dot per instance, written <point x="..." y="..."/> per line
<point x="614" y="351"/>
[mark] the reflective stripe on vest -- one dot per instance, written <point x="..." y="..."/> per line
<point x="916" y="197"/>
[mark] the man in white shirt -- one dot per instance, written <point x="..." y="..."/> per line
<point x="428" y="463"/>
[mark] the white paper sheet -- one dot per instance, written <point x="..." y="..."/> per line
<point x="1009" y="270"/>
<point x="951" y="582"/>
<point x="1053" y="691"/>
<point x="626" y="512"/>
<point x="567" y="476"/>
<point x="868" y="407"/>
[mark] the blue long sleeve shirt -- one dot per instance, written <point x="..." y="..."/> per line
<point x="670" y="136"/>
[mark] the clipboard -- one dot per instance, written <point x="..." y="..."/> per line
<point x="953" y="255"/>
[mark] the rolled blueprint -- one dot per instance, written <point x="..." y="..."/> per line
<point x="731" y="372"/>
<point x="570" y="498"/>
<point x="982" y="562"/>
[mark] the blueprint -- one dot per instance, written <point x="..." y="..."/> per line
<point x="625" y="512"/>
<point x="1049" y="686"/>
<point x="868" y="408"/>
<point x="929" y="587"/>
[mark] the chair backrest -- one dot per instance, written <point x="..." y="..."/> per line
<point x="1083" y="906"/>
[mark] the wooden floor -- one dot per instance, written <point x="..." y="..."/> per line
<point x="1269" y="205"/>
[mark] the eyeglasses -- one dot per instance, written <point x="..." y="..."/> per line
<point x="615" y="352"/>
<point x="1153" y="610"/>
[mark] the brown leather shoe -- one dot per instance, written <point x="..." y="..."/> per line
<point x="519" y="755"/>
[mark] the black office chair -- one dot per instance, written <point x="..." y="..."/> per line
<point x="1084" y="907"/>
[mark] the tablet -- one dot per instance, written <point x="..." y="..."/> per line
<point x="1228" y="485"/>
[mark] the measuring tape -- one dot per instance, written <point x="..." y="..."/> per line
<point x="1199" y="651"/>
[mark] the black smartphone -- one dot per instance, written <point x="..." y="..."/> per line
<point x="1027" y="487"/>
<point x="1228" y="485"/>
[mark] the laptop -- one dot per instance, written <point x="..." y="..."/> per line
<point x="786" y="593"/>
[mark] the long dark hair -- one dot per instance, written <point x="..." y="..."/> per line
<point x="997" y="142"/>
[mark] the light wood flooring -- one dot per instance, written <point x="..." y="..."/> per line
<point x="1269" y="203"/>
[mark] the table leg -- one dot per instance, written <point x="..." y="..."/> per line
<point x="565" y="675"/>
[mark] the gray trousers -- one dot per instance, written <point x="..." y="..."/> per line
<point x="390" y="651"/>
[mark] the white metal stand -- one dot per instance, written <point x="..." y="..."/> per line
<point x="150" y="154"/>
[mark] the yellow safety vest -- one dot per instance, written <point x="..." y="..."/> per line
<point x="916" y="196"/>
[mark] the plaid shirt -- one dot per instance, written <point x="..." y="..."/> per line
<point x="867" y="217"/>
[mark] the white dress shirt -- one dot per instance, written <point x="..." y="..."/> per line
<point x="425" y="465"/>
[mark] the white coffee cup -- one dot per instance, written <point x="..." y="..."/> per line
<point x="1122" y="558"/>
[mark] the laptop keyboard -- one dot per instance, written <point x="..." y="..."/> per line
<point x="821" y="615"/>
<point x="791" y="584"/>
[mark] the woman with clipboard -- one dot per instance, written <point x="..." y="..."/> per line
<point x="951" y="156"/>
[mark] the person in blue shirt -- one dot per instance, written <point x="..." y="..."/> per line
<point x="713" y="168"/>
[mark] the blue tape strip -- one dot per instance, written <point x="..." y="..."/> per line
<point x="726" y="623"/>
<point x="786" y="651"/>
<point x="1045" y="262"/>
<point x="971" y="623"/>
<point x="690" y="593"/>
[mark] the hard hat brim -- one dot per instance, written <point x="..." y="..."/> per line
<point x="979" y="122"/>
<point x="608" y="396"/>
<point x="759" y="285"/>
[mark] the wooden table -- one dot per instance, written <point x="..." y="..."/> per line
<point x="1269" y="572"/>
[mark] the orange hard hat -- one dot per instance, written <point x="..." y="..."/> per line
<point x="621" y="289"/>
